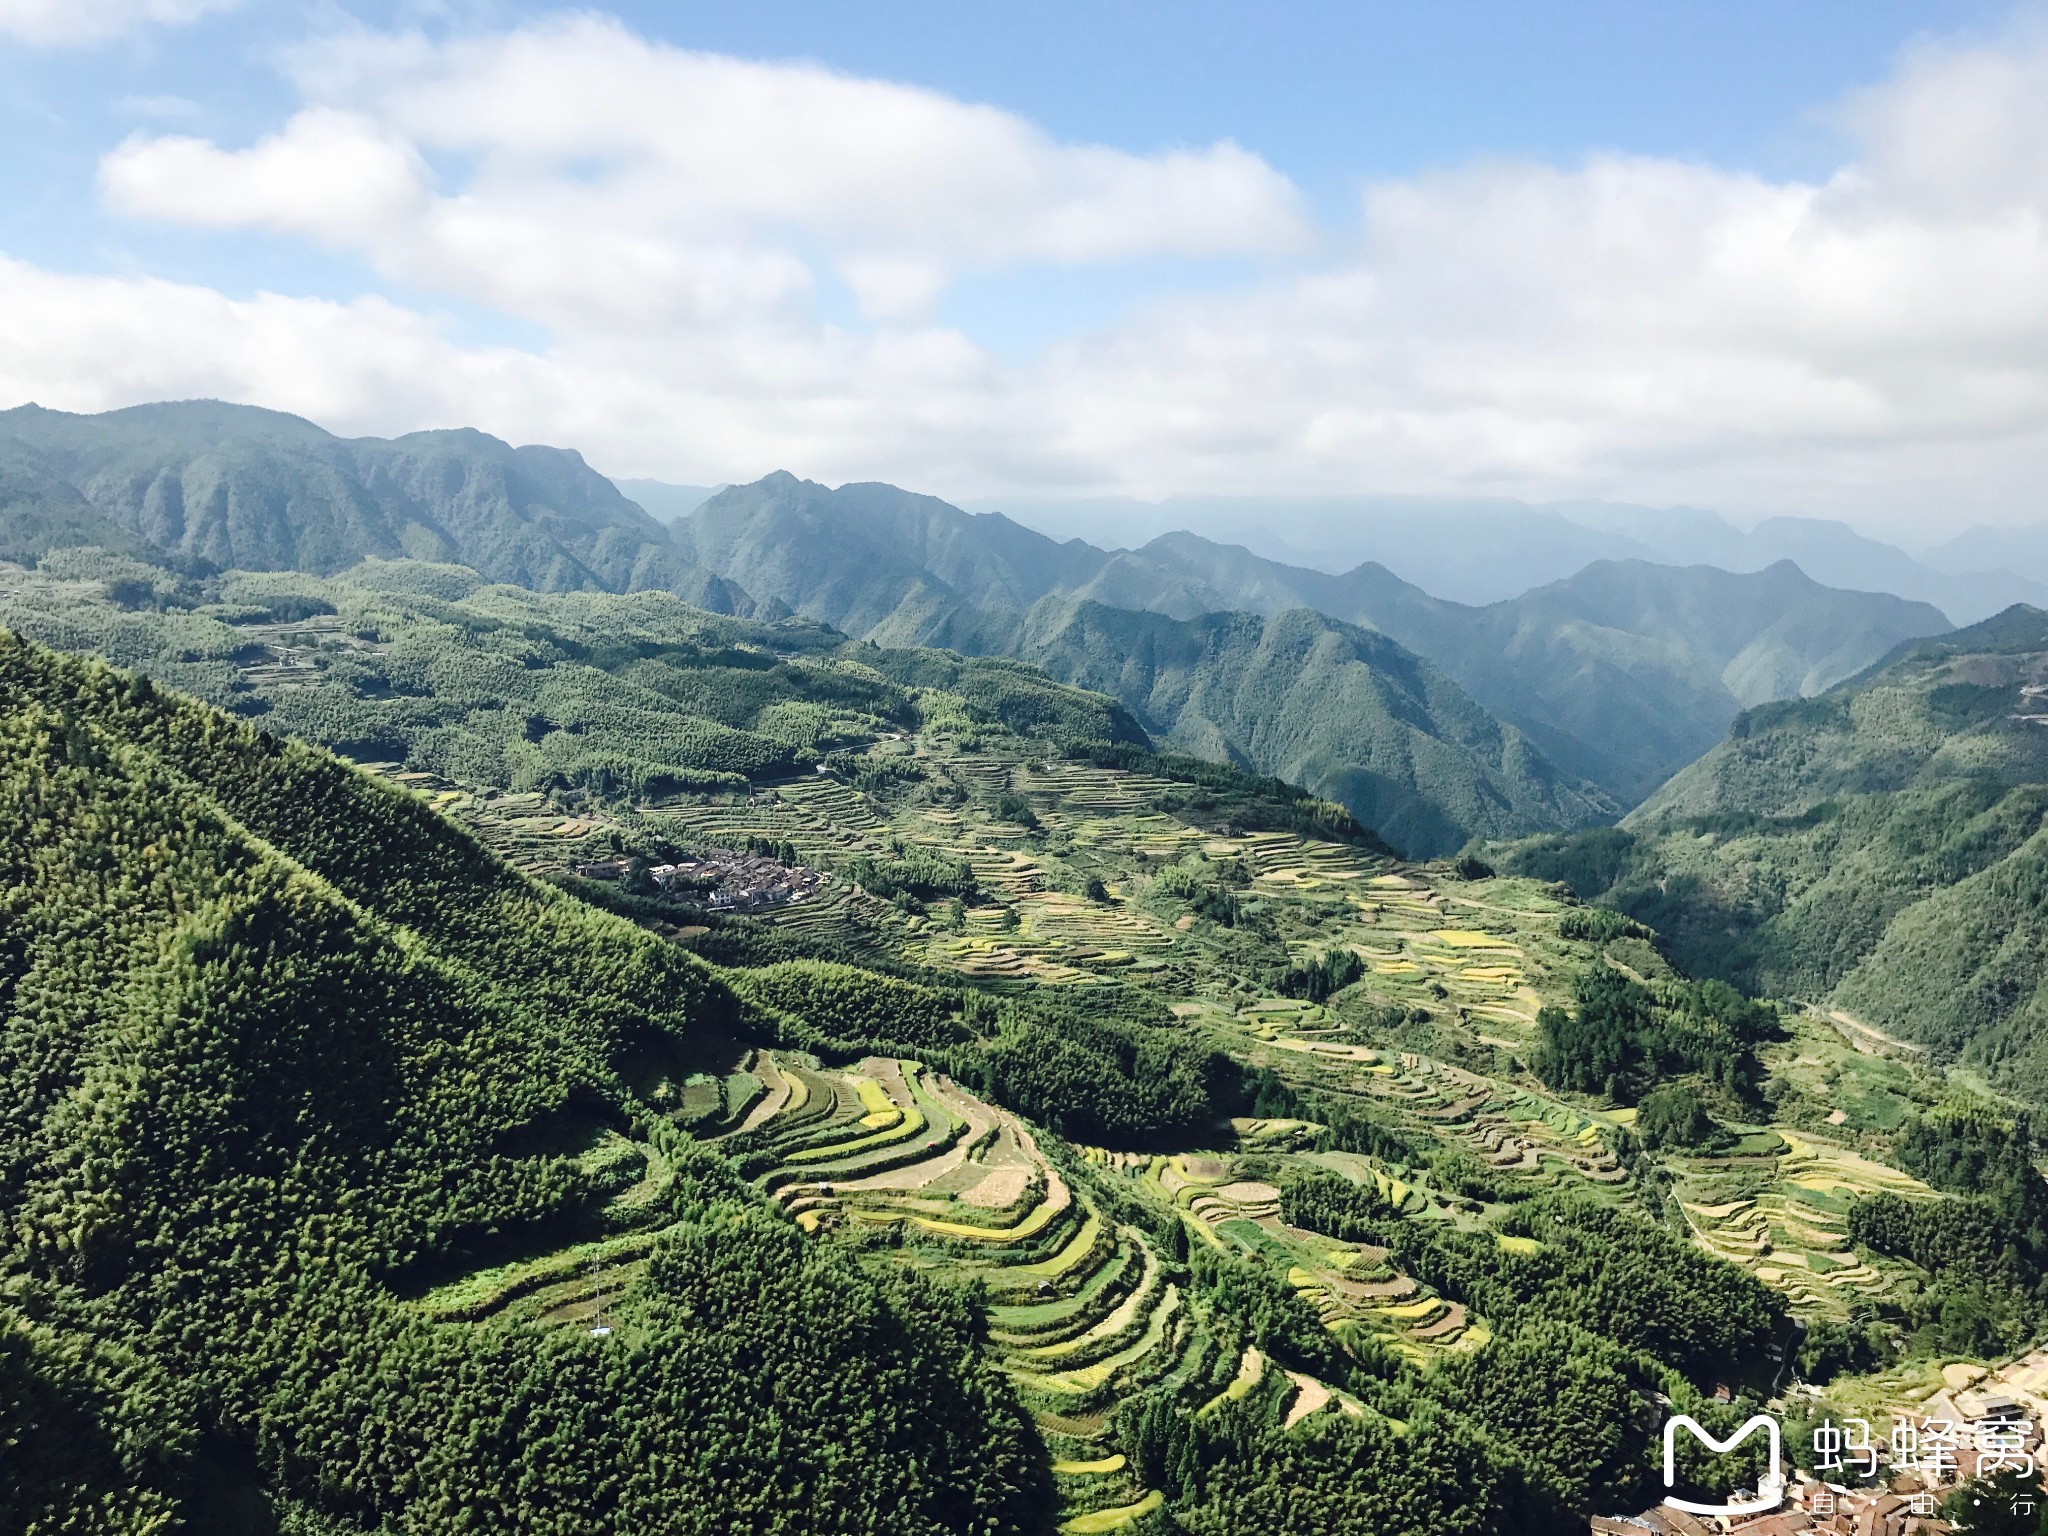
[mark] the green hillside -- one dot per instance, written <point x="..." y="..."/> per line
<point x="282" y="1046"/>
<point x="1614" y="678"/>
<point x="232" y="486"/>
<point x="1344" y="711"/>
<point x="1877" y="849"/>
<point x="1347" y="714"/>
<point x="878" y="562"/>
<point x="1102" y="1145"/>
<point x="338" y="1137"/>
<point x="1621" y="674"/>
<point x="428" y="666"/>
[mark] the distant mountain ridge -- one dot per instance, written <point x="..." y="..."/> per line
<point x="1965" y="589"/>
<point x="1882" y="849"/>
<point x="1482" y="550"/>
<point x="1558" y="708"/>
<point x="234" y="486"/>
<point x="1343" y="711"/>
<point x="1621" y="674"/>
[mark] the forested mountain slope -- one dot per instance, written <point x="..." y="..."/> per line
<point x="1880" y="847"/>
<point x="429" y="666"/>
<point x="278" y="1043"/>
<point x="1282" y="1184"/>
<point x="290" y="1057"/>
<point x="878" y="562"/>
<point x="1620" y="674"/>
<point x="1347" y="714"/>
<point x="1606" y="683"/>
<point x="1343" y="711"/>
<point x="235" y="486"/>
<point x="284" y="494"/>
<point x="1626" y="672"/>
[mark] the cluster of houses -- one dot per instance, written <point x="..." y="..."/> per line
<point x="720" y="879"/>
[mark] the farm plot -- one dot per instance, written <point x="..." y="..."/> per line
<point x="1355" y="1288"/>
<point x="1785" y="1218"/>
<point x="1083" y="1310"/>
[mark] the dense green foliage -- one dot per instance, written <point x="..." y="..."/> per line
<point x="1096" y="1075"/>
<point x="616" y="696"/>
<point x="1600" y="1304"/>
<point x="1335" y="1206"/>
<point x="1673" y="1115"/>
<point x="1316" y="978"/>
<point x="1019" y="697"/>
<point x="1830" y="1348"/>
<point x="1607" y="1272"/>
<point x="1621" y="1036"/>
<point x="862" y="1006"/>
<point x="199" y="482"/>
<point x="1878" y="848"/>
<point x="1599" y="925"/>
<point x="1096" y="1078"/>
<point x="2007" y="1503"/>
<point x="1975" y="1153"/>
<point x="918" y="872"/>
<point x="1987" y="1252"/>
<point x="277" y="1041"/>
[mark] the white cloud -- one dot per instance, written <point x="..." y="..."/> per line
<point x="333" y="175"/>
<point x="70" y="23"/>
<point x="92" y="343"/>
<point x="605" y="177"/>
<point x="1875" y="342"/>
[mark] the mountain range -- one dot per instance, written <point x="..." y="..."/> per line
<point x="1618" y="675"/>
<point x="1482" y="550"/>
<point x="1434" y="720"/>
<point x="229" y="486"/>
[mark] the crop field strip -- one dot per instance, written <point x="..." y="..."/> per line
<point x="1066" y="1288"/>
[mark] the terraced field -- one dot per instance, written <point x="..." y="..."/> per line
<point x="1778" y="1204"/>
<point x="1085" y="1309"/>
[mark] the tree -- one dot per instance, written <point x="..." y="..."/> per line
<point x="1674" y="1116"/>
<point x="2009" y="1503"/>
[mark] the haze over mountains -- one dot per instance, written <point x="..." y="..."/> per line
<point x="1482" y="550"/>
<point x="1434" y="720"/>
<point x="1619" y="675"/>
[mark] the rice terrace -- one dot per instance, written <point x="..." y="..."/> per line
<point x="1425" y="1025"/>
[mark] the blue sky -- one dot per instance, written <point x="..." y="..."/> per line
<point x="1570" y="249"/>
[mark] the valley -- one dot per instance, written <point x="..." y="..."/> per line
<point x="944" y="770"/>
<point x="1199" y="1145"/>
<point x="1075" y="1245"/>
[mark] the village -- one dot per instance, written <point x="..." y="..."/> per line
<point x="1856" y="1480"/>
<point x="717" y="879"/>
